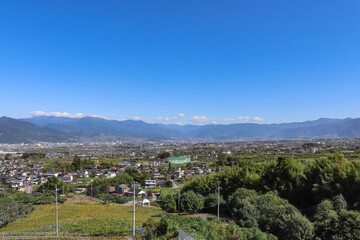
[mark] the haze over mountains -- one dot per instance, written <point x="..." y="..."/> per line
<point x="62" y="129"/>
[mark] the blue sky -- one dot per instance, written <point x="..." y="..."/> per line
<point x="181" y="61"/>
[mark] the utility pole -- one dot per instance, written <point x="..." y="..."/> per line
<point x="134" y="211"/>
<point x="218" y="210"/>
<point x="179" y="200"/>
<point x="56" y="212"/>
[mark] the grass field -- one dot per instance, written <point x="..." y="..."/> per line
<point x="80" y="210"/>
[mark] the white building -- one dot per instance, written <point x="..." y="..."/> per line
<point x="150" y="183"/>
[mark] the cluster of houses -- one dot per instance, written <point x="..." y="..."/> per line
<point x="19" y="174"/>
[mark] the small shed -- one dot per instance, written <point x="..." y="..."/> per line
<point x="143" y="202"/>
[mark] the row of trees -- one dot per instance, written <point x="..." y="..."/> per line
<point x="249" y="209"/>
<point x="9" y="212"/>
<point x="268" y="195"/>
<point x="303" y="185"/>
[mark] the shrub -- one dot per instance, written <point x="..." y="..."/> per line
<point x="168" y="228"/>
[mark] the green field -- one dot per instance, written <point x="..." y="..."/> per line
<point x="81" y="210"/>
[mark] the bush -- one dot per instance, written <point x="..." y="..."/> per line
<point x="168" y="228"/>
<point x="115" y="199"/>
<point x="22" y="197"/>
<point x="44" y="199"/>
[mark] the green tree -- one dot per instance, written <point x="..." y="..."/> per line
<point x="285" y="176"/>
<point x="89" y="163"/>
<point x="170" y="168"/>
<point x="339" y="203"/>
<point x="168" y="183"/>
<point x="164" y="155"/>
<point x="105" y="165"/>
<point x="276" y="215"/>
<point x="77" y="163"/>
<point x="245" y="213"/>
<point x="344" y="227"/>
<point x="211" y="201"/>
<point x="102" y="185"/>
<point x="168" y="203"/>
<point x="324" y="211"/>
<point x="191" y="202"/>
<point x="49" y="186"/>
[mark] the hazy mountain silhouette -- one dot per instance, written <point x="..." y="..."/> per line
<point x="58" y="129"/>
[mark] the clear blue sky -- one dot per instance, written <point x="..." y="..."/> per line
<point x="236" y="60"/>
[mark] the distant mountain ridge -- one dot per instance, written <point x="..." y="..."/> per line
<point x="62" y="129"/>
<point x="17" y="131"/>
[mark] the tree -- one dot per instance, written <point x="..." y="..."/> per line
<point x="170" y="168"/>
<point x="221" y="159"/>
<point x="168" y="183"/>
<point x="88" y="163"/>
<point x="245" y="213"/>
<point x="324" y="211"/>
<point x="330" y="176"/>
<point x="102" y="185"/>
<point x="346" y="226"/>
<point x="211" y="201"/>
<point x="76" y="164"/>
<point x="339" y="203"/>
<point x="286" y="176"/>
<point x="49" y="186"/>
<point x="276" y="215"/>
<point x="105" y="165"/>
<point x="8" y="156"/>
<point x="191" y="202"/>
<point x="168" y="203"/>
<point x="138" y="177"/>
<point x="164" y="155"/>
<point x="292" y="224"/>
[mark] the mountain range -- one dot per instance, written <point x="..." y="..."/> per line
<point x="62" y="129"/>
